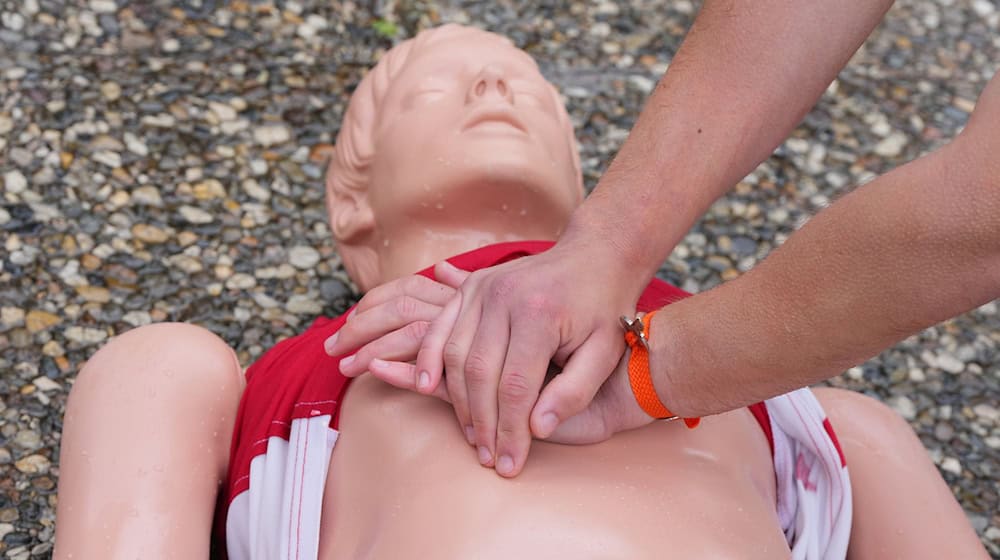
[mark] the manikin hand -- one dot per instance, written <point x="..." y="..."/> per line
<point x="390" y="321"/>
<point x="498" y="334"/>
<point x="389" y="324"/>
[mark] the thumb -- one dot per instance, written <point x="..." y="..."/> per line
<point x="589" y="426"/>
<point x="449" y="274"/>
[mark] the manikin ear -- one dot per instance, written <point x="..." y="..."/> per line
<point x="352" y="222"/>
<point x="351" y="216"/>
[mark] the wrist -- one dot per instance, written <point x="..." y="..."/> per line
<point x="622" y="240"/>
<point x="667" y="364"/>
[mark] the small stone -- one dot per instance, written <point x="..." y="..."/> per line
<point x="94" y="294"/>
<point x="240" y="281"/>
<point x="170" y="45"/>
<point x="135" y="145"/>
<point x="195" y="215"/>
<point x="209" y="189"/>
<point x="952" y="465"/>
<point x="163" y="120"/>
<point x="856" y="373"/>
<point x="28" y="439"/>
<point x="38" y="320"/>
<point x="944" y="431"/>
<point x="904" y="406"/>
<point x="917" y="375"/>
<point x="111" y="91"/>
<point x="6" y="529"/>
<point x="892" y="145"/>
<point x="85" y="336"/>
<point x="258" y="167"/>
<point x="12" y="20"/>
<point x="137" y="318"/>
<point x="303" y="257"/>
<point x="11" y="316"/>
<point x="45" y="384"/>
<point x="642" y="84"/>
<point x="9" y="515"/>
<point x="983" y="8"/>
<point x="149" y="234"/>
<point x="186" y="263"/>
<point x="993" y="534"/>
<point x="53" y="349"/>
<point x="186" y="238"/>
<point x="265" y="301"/>
<point x="14" y="182"/>
<point x="255" y="191"/>
<point x="223" y="111"/>
<point x="950" y="363"/>
<point x="987" y="412"/>
<point x="304" y="305"/>
<point x="147" y="195"/>
<point x="111" y="159"/>
<point x="103" y="6"/>
<point x="33" y="464"/>
<point x="271" y="134"/>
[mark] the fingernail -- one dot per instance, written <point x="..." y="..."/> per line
<point x="425" y="381"/>
<point x="549" y="423"/>
<point x="484" y="455"/>
<point x="330" y="343"/>
<point x="470" y="435"/>
<point x="346" y="362"/>
<point x="505" y="465"/>
<point x="377" y="363"/>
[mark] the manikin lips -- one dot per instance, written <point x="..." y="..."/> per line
<point x="498" y="116"/>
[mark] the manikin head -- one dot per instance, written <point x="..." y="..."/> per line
<point x="454" y="140"/>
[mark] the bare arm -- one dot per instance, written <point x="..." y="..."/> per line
<point x="746" y="74"/>
<point x="912" y="248"/>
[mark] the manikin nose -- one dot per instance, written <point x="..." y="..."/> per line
<point x="489" y="82"/>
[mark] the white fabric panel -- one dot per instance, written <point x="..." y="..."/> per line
<point x="814" y="489"/>
<point x="278" y="518"/>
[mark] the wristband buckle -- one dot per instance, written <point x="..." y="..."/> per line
<point x="636" y="327"/>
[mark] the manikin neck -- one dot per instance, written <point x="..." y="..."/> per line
<point x="415" y="235"/>
<point x="407" y="250"/>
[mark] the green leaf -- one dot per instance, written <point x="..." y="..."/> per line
<point x="385" y="28"/>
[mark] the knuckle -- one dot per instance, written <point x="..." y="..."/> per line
<point x="406" y="306"/>
<point x="514" y="388"/>
<point x="539" y="305"/>
<point x="502" y="286"/>
<point x="510" y="432"/>
<point x="416" y="330"/>
<point x="453" y="355"/>
<point x="476" y="368"/>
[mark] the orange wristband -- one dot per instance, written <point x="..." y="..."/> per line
<point x="637" y="334"/>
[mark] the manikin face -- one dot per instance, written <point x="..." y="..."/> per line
<point x="472" y="114"/>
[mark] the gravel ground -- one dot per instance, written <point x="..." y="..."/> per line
<point x="155" y="164"/>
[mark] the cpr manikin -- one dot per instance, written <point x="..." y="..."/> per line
<point x="453" y="142"/>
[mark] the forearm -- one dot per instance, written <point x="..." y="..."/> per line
<point x="910" y="249"/>
<point x="747" y="72"/>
